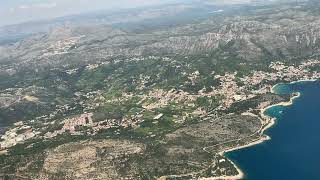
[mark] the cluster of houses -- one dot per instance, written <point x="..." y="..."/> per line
<point x="18" y="134"/>
<point x="61" y="47"/>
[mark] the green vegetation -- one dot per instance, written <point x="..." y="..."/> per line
<point x="117" y="110"/>
<point x="209" y="103"/>
<point x="152" y="127"/>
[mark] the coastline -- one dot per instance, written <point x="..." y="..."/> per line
<point x="289" y="103"/>
<point x="268" y="122"/>
<point x="240" y="175"/>
<point x="293" y="82"/>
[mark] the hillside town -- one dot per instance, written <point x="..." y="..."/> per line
<point x="232" y="88"/>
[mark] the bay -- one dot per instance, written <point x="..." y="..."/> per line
<point x="293" y="151"/>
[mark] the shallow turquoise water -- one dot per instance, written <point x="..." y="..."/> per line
<point x="293" y="152"/>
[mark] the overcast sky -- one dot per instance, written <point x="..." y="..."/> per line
<point x="17" y="11"/>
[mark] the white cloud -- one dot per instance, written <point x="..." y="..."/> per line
<point x="24" y="7"/>
<point x="46" y="5"/>
<point x="38" y="6"/>
<point x="11" y="10"/>
<point x="227" y="2"/>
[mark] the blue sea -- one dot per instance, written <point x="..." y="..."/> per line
<point x="293" y="153"/>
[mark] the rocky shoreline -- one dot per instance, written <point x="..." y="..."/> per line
<point x="268" y="123"/>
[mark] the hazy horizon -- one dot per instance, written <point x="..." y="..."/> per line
<point x="20" y="11"/>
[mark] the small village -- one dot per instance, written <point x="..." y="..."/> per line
<point x="18" y="134"/>
<point x="61" y="47"/>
